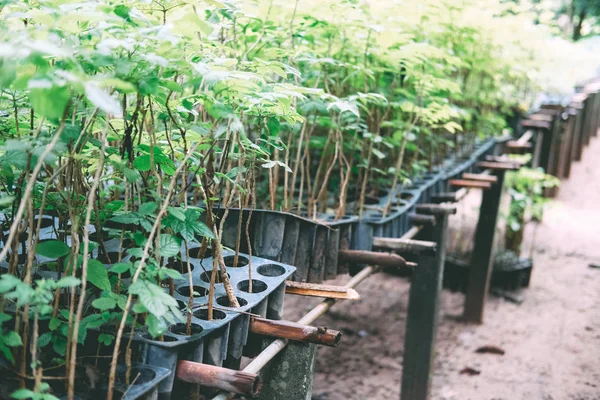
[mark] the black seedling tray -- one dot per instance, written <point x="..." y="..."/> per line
<point x="310" y="245"/>
<point x="226" y="336"/>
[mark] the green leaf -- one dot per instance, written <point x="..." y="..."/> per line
<point x="147" y="208"/>
<point x="9" y="72"/>
<point x="139" y="308"/>
<point x="98" y="275"/>
<point x="203" y="230"/>
<point x="6" y="200"/>
<point x="54" y="323"/>
<point x="119" y="268"/>
<point x="48" y="100"/>
<point x="148" y="85"/>
<point x="131" y="175"/>
<point x="22" y="394"/>
<point x="127" y="218"/>
<point x="91" y="321"/>
<point x="106" y="339"/>
<point x="123" y="12"/>
<point x="11" y="339"/>
<point x="7" y="353"/>
<point x="60" y="345"/>
<point x="8" y="282"/>
<point x="273" y="126"/>
<point x="177" y="213"/>
<point x="52" y="249"/>
<point x="68" y="281"/>
<point x="22" y="294"/>
<point x="156" y="326"/>
<point x="169" y="245"/>
<point x="45" y="339"/>
<point x="153" y="297"/>
<point x="4" y="317"/>
<point x="142" y="163"/>
<point x="173" y="274"/>
<point x="104" y="303"/>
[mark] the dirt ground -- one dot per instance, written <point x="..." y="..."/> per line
<point x="551" y="340"/>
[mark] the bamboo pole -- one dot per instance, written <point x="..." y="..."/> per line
<point x="240" y="382"/>
<point x="295" y="331"/>
<point x="319" y="290"/>
<point x="404" y="245"/>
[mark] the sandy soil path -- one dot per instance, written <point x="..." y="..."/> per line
<point x="552" y="340"/>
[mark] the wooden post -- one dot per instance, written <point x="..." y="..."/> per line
<point x="290" y="374"/>
<point x="589" y="116"/>
<point x="482" y="259"/>
<point x="593" y="131"/>
<point x="576" y="136"/>
<point x="570" y="141"/>
<point x="422" y="318"/>
<point x="546" y="156"/>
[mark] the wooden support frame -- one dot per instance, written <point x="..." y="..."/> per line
<point x="532" y="123"/>
<point x="320" y="290"/>
<point x="498" y="166"/>
<point x="423" y="316"/>
<point x="505" y="159"/>
<point x="450" y="197"/>
<point x="463" y="183"/>
<point x="483" y="252"/>
<point x="480" y="177"/>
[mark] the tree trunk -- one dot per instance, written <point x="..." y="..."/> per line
<point x="577" y="27"/>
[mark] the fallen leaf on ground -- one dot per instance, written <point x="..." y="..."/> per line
<point x="470" y="371"/>
<point x="490" y="350"/>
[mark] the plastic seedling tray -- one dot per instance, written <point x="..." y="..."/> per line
<point x="212" y="342"/>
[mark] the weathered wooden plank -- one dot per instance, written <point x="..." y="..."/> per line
<point x="319" y="290"/>
<point x="480" y="177"/>
<point x="463" y="183"/>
